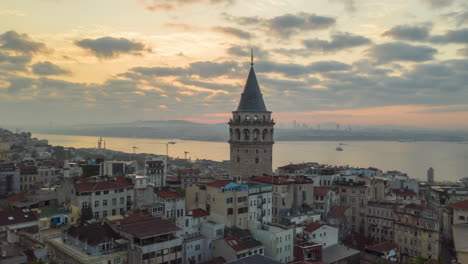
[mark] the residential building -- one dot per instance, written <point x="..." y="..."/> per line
<point x="94" y="243"/>
<point x="430" y="175"/>
<point x="173" y="206"/>
<point x="260" y="202"/>
<point x="406" y="196"/>
<point x="117" y="168"/>
<point x="291" y="195"/>
<point x="460" y="233"/>
<point x="454" y="214"/>
<point x="9" y="179"/>
<point x="321" y="233"/>
<point x="154" y="169"/>
<point x="278" y="240"/>
<point x="29" y="178"/>
<point x="324" y="199"/>
<point x="226" y="201"/>
<point x="188" y="177"/>
<point x="305" y="250"/>
<point x="237" y="244"/>
<point x="196" y="246"/>
<point x="416" y="230"/>
<point x="355" y="196"/>
<point x="255" y="259"/>
<point x="54" y="219"/>
<point x="152" y="240"/>
<point x="106" y="196"/>
<point x="251" y="133"/>
<point x="384" y="250"/>
<point x="16" y="220"/>
<point x="340" y="217"/>
<point x="380" y="220"/>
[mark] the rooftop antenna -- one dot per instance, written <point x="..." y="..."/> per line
<point x="251" y="57"/>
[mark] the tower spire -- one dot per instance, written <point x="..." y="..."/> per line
<point x="251" y="57"/>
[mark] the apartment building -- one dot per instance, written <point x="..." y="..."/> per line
<point x="154" y="169"/>
<point x="188" y="177"/>
<point x="454" y="214"/>
<point x="226" y="201"/>
<point x="151" y="240"/>
<point x="173" y="206"/>
<point x="416" y="230"/>
<point x="278" y="240"/>
<point x="380" y="220"/>
<point x="290" y="194"/>
<point x="324" y="198"/>
<point x="106" y="196"/>
<point x="237" y="244"/>
<point x="94" y="243"/>
<point x="321" y="233"/>
<point x="260" y="202"/>
<point x="9" y="179"/>
<point x="355" y="195"/>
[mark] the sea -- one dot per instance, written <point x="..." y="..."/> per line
<point x="449" y="159"/>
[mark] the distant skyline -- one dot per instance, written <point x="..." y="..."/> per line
<point x="358" y="63"/>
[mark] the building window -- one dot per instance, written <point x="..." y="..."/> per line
<point x="256" y="160"/>
<point x="104" y="202"/>
<point x="96" y="203"/>
<point x="114" y="201"/>
<point x="229" y="200"/>
<point x="96" y="215"/>
<point x="122" y="200"/>
<point x="230" y="211"/>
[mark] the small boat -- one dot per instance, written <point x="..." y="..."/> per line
<point x="339" y="149"/>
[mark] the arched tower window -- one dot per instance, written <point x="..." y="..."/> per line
<point x="238" y="159"/>
<point x="265" y="134"/>
<point x="256" y="160"/>
<point x="256" y="134"/>
<point x="271" y="134"/>
<point x="238" y="118"/>
<point x="230" y="133"/>
<point x="238" y="134"/>
<point x="255" y="117"/>
<point x="247" y="118"/>
<point x="246" y="134"/>
<point x="264" y="118"/>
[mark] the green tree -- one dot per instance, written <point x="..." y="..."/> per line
<point x="86" y="214"/>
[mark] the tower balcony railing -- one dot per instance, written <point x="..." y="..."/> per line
<point x="259" y="122"/>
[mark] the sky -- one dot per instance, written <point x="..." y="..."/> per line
<point x="355" y="62"/>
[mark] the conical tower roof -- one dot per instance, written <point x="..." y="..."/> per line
<point x="251" y="98"/>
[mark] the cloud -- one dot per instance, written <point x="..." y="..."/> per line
<point x="297" y="70"/>
<point x="438" y="3"/>
<point x="48" y="68"/>
<point x="452" y="36"/>
<point x="18" y="83"/>
<point x="21" y="43"/>
<point x="463" y="52"/>
<point x="233" y="32"/>
<point x="13" y="63"/>
<point x="407" y="32"/>
<point x="350" y="5"/>
<point x="169" y="5"/>
<point x="339" y="41"/>
<point x="399" y="51"/>
<point x="287" y="25"/>
<point x="109" y="47"/>
<point x="244" y="52"/>
<point x="204" y="69"/>
<point x="444" y="109"/>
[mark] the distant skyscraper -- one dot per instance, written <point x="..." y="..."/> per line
<point x="251" y="133"/>
<point x="430" y="175"/>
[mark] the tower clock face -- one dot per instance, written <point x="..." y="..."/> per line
<point x="247" y="117"/>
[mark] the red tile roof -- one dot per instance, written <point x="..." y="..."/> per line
<point x="403" y="192"/>
<point x="337" y="211"/>
<point x="116" y="183"/>
<point x="197" y="213"/>
<point x="169" y="194"/>
<point x="313" y="226"/>
<point x="16" y="216"/>
<point x="383" y="246"/>
<point x="458" y="205"/>
<point x="235" y="243"/>
<point x="321" y="191"/>
<point x="218" y="183"/>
